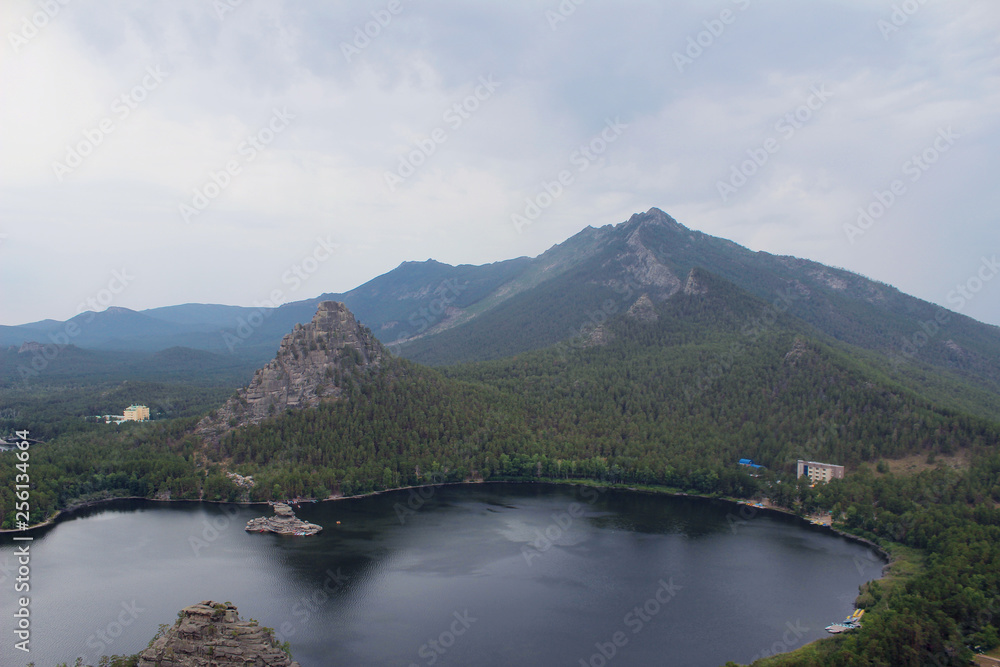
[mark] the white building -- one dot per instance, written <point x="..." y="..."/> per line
<point x="819" y="472"/>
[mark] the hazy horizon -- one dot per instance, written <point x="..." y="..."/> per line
<point x="292" y="277"/>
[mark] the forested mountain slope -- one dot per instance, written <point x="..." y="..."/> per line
<point x="653" y="252"/>
<point x="670" y="394"/>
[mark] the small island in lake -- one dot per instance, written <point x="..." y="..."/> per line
<point x="284" y="522"/>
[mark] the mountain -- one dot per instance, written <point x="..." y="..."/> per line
<point x="312" y="365"/>
<point x="601" y="272"/>
<point x="439" y="314"/>
<point x="208" y="316"/>
<point x="652" y="252"/>
<point x="115" y="328"/>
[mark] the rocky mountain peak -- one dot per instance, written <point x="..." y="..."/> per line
<point x="212" y="633"/>
<point x="309" y="367"/>
<point x="641" y="265"/>
<point x="654" y="217"/>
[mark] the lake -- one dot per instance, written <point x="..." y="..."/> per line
<point x="488" y="574"/>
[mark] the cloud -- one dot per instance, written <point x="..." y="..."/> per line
<point x="358" y="113"/>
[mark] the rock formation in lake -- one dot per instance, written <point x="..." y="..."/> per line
<point x="310" y="367"/>
<point x="284" y="522"/>
<point x="212" y="634"/>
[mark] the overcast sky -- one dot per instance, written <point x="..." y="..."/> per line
<point x="156" y="153"/>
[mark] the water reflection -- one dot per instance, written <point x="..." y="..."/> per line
<point x="530" y="574"/>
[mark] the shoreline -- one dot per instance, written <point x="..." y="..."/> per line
<point x="882" y="552"/>
<point x="52" y="520"/>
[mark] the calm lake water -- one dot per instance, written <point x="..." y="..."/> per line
<point x="492" y="574"/>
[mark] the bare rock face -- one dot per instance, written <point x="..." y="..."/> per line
<point x="639" y="263"/>
<point x="643" y="267"/>
<point x="310" y="365"/>
<point x="693" y="286"/>
<point x="799" y="349"/>
<point x="643" y="310"/>
<point x="599" y="336"/>
<point x="212" y="634"/>
<point x="284" y="522"/>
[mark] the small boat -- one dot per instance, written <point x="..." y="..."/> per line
<point x="852" y="622"/>
<point x="837" y="628"/>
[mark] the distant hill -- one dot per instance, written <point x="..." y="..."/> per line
<point x="209" y="316"/>
<point x="34" y="366"/>
<point x="440" y="314"/>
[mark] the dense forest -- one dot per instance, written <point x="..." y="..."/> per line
<point x="669" y="398"/>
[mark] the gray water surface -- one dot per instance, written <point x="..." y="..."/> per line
<point x="491" y="574"/>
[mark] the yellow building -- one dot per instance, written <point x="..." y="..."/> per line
<point x="819" y="472"/>
<point x="136" y="413"/>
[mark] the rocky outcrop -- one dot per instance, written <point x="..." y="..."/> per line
<point x="639" y="265"/>
<point x="643" y="310"/>
<point x="211" y="634"/>
<point x="284" y="522"/>
<point x="799" y="349"/>
<point x="643" y="268"/>
<point x="309" y="367"/>
<point x="599" y="336"/>
<point x="693" y="285"/>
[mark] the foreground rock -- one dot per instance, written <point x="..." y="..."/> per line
<point x="284" y="522"/>
<point x="211" y="633"/>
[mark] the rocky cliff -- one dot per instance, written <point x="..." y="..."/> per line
<point x="640" y="263"/>
<point x="212" y="634"/>
<point x="310" y="367"/>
